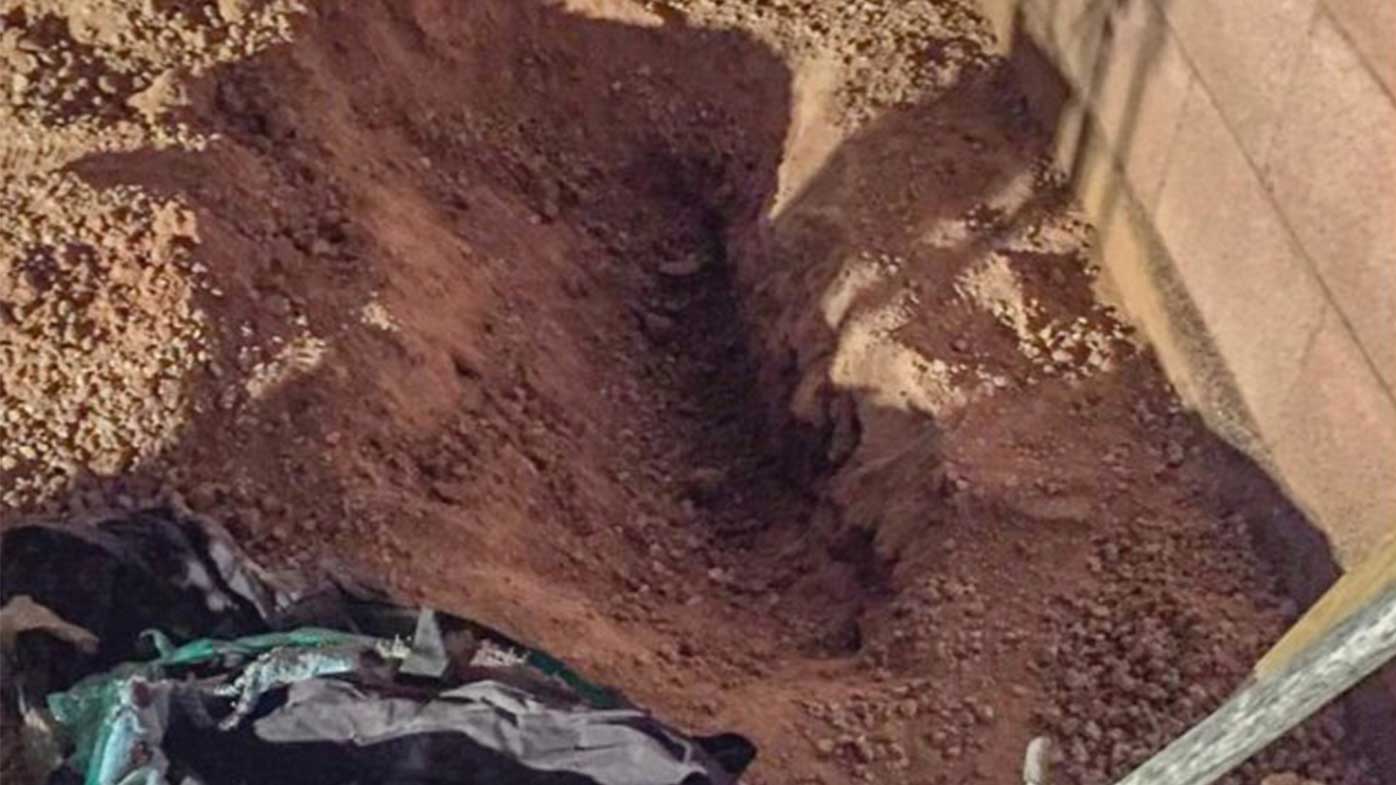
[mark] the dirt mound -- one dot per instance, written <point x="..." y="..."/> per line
<point x="743" y="354"/>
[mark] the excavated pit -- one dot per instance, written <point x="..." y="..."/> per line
<point x="602" y="329"/>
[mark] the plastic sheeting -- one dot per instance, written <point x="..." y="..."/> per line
<point x="147" y="648"/>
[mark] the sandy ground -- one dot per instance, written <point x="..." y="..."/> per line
<point x="744" y="354"/>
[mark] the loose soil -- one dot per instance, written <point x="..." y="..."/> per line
<point x="743" y="354"/>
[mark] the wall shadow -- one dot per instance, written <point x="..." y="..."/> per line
<point x="1299" y="552"/>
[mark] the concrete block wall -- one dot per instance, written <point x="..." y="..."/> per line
<point x="1239" y="161"/>
<point x="1238" y="158"/>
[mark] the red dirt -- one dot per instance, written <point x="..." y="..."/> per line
<point x="560" y="431"/>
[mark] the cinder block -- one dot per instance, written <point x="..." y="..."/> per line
<point x="1335" y="443"/>
<point x="1371" y="24"/>
<point x="1332" y="168"/>
<point x="1139" y="94"/>
<point x="1252" y="288"/>
<point x="1123" y="65"/>
<point x="1141" y="278"/>
<point x="1245" y="53"/>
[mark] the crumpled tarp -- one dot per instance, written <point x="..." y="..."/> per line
<point x="147" y="648"/>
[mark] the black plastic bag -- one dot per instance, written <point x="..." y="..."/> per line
<point x="207" y="669"/>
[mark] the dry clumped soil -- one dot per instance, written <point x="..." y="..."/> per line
<point x="743" y="353"/>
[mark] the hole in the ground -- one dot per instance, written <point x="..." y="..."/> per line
<point x="571" y="349"/>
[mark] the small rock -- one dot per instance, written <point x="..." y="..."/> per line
<point x="447" y="492"/>
<point x="575" y="287"/>
<point x="232" y="10"/>
<point x="164" y="93"/>
<point x="960" y="345"/>
<point x="706" y="480"/>
<point x="228" y="398"/>
<point x="682" y="267"/>
<point x="250" y="517"/>
<point x="278" y="304"/>
<point x="657" y="325"/>
<point x="897" y="752"/>
<point x="549" y="202"/>
<point x="1037" y="761"/>
<point x="825" y="747"/>
<point x="1283" y="778"/>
